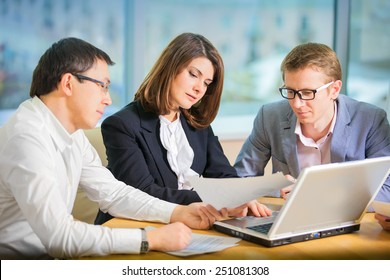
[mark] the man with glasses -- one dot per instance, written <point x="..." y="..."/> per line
<point x="45" y="156"/>
<point x="314" y="124"/>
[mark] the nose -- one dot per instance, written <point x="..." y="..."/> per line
<point x="199" y="87"/>
<point x="296" y="102"/>
<point x="107" y="99"/>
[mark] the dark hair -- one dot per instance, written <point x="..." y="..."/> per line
<point x="154" y="90"/>
<point x="318" y="56"/>
<point x="68" y="55"/>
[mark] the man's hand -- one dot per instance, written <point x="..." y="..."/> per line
<point x="383" y="221"/>
<point x="285" y="191"/>
<point x="196" y="215"/>
<point x="172" y="237"/>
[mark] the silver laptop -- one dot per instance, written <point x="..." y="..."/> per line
<point x="327" y="200"/>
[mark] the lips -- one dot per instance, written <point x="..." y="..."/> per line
<point x="192" y="98"/>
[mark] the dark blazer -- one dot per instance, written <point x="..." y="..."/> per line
<point x="137" y="157"/>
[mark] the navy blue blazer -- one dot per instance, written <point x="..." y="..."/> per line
<point x="137" y="157"/>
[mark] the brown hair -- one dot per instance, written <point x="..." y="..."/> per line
<point x="154" y="90"/>
<point x="315" y="55"/>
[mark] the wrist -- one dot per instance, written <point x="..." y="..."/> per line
<point x="144" y="248"/>
<point x="175" y="217"/>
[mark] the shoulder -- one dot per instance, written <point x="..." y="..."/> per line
<point x="358" y="108"/>
<point x="128" y="115"/>
<point x="27" y="119"/>
<point x="275" y="112"/>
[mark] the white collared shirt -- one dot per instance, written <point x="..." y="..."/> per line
<point x="312" y="152"/>
<point x="41" y="167"/>
<point x="179" y="152"/>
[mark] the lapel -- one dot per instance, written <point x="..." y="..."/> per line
<point x="194" y="137"/>
<point x="341" y="134"/>
<point x="289" y="142"/>
<point x="150" y="131"/>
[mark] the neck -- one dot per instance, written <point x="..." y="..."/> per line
<point x="318" y="129"/>
<point x="57" y="105"/>
<point x="172" y="116"/>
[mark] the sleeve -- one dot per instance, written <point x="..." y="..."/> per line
<point x="128" y="163"/>
<point x="378" y="145"/>
<point x="45" y="201"/>
<point x="217" y="165"/>
<point x="256" y="150"/>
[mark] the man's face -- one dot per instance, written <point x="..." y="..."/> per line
<point x="89" y="99"/>
<point x="316" y="112"/>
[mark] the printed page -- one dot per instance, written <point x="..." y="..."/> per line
<point x="233" y="192"/>
<point x="204" y="243"/>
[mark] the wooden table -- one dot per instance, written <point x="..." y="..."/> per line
<point x="370" y="242"/>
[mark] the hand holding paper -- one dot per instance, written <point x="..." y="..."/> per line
<point x="232" y="192"/>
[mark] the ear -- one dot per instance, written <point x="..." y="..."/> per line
<point x="336" y="88"/>
<point x="65" y="85"/>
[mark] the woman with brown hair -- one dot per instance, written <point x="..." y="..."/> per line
<point x="164" y="136"/>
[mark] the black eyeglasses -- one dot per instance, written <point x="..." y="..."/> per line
<point x="103" y="85"/>
<point x="303" y="94"/>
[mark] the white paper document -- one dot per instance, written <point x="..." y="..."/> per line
<point x="382" y="208"/>
<point x="232" y="192"/>
<point x="204" y="243"/>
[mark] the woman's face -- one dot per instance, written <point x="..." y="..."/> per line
<point x="190" y="85"/>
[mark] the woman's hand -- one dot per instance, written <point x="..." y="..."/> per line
<point x="253" y="208"/>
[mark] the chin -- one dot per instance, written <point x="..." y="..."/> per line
<point x="187" y="107"/>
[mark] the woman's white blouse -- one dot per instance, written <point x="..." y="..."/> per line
<point x="179" y="152"/>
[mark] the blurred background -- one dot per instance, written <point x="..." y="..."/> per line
<point x="253" y="36"/>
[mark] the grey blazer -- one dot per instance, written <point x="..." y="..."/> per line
<point x="361" y="131"/>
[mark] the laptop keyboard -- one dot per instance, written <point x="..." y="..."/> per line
<point x="264" y="228"/>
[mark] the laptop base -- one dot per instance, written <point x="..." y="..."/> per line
<point x="287" y="240"/>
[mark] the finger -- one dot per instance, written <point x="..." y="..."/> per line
<point x="381" y="217"/>
<point x="224" y="212"/>
<point x="208" y="216"/>
<point x="211" y="210"/>
<point x="239" y="211"/>
<point x="291" y="178"/>
<point x="255" y="209"/>
<point x="204" y="222"/>
<point x="265" y="211"/>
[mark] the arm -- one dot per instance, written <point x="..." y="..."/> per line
<point x="378" y="145"/>
<point x="35" y="172"/>
<point x="255" y="152"/>
<point x="217" y="164"/>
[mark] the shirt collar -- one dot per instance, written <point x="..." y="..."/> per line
<point x="298" y="129"/>
<point x="60" y="136"/>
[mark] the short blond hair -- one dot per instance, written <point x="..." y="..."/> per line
<point x="315" y="55"/>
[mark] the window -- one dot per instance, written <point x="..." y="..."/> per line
<point x="368" y="73"/>
<point x="253" y="36"/>
<point x="28" y="28"/>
